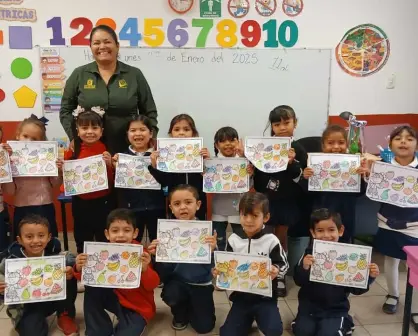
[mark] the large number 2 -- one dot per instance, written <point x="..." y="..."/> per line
<point x="227" y="37"/>
<point x="81" y="38"/>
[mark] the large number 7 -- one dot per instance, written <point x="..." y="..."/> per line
<point x="153" y="36"/>
<point x="206" y="25"/>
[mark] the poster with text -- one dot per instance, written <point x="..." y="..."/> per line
<point x="182" y="241"/>
<point x="243" y="273"/>
<point x="180" y="155"/>
<point x="392" y="184"/>
<point x="269" y="155"/>
<point x="112" y="265"/>
<point x="132" y="173"/>
<point x="334" y="172"/>
<point x="5" y="169"/>
<point x="34" y="158"/>
<point x="31" y="280"/>
<point x="226" y="175"/>
<point x="84" y="176"/>
<point x="341" y="264"/>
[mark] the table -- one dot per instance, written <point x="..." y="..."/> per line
<point x="412" y="281"/>
<point x="63" y="201"/>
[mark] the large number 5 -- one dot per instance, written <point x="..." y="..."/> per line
<point x="153" y="35"/>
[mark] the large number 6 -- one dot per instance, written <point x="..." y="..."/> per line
<point x="173" y="32"/>
<point x="151" y="28"/>
<point x="81" y="38"/>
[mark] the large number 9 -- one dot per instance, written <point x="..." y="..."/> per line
<point x="173" y="32"/>
<point x="151" y="30"/>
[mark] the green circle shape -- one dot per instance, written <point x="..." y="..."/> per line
<point x="21" y="68"/>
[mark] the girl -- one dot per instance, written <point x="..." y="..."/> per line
<point x="398" y="226"/>
<point x="90" y="210"/>
<point x="334" y="140"/>
<point x="33" y="195"/>
<point x="182" y="126"/>
<point x="282" y="188"/>
<point x="148" y="205"/>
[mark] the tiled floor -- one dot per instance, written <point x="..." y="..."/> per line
<point x="366" y="310"/>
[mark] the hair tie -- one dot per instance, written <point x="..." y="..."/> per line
<point x="43" y="120"/>
<point x="96" y="109"/>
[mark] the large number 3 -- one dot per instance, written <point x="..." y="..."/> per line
<point x="81" y="38"/>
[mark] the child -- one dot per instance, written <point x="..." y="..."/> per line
<point x="246" y="307"/>
<point x="134" y="307"/>
<point x="148" y="205"/>
<point x="33" y="195"/>
<point x="34" y="240"/>
<point x="4" y="229"/>
<point x="188" y="288"/>
<point x="397" y="226"/>
<point x="334" y="140"/>
<point x="182" y="126"/>
<point x="323" y="308"/>
<point x="282" y="188"/>
<point x="90" y="210"/>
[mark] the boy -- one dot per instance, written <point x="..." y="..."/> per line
<point x="34" y="240"/>
<point x="247" y="307"/>
<point x="188" y="288"/>
<point x="323" y="309"/>
<point x="134" y="307"/>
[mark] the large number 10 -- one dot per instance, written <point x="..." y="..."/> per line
<point x="274" y="36"/>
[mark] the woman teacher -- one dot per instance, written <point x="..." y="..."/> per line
<point x="120" y="89"/>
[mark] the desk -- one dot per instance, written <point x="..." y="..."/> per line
<point x="63" y="201"/>
<point x="412" y="281"/>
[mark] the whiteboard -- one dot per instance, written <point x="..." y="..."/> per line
<point x="226" y="87"/>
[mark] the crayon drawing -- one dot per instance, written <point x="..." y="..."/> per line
<point x="243" y="273"/>
<point x="112" y="265"/>
<point x="392" y="184"/>
<point x="31" y="280"/>
<point x="34" y="158"/>
<point x="269" y="155"/>
<point x="341" y="264"/>
<point x="183" y="241"/>
<point x="5" y="169"/>
<point x="334" y="172"/>
<point x="226" y="175"/>
<point x="132" y="173"/>
<point x="180" y="155"/>
<point x="85" y="175"/>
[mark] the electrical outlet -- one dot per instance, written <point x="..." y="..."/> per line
<point x="390" y="84"/>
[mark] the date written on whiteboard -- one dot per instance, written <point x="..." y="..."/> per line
<point x="244" y="58"/>
<point x="278" y="64"/>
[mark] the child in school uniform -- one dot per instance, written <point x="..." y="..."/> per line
<point x="247" y="307"/>
<point x="188" y="288"/>
<point x="182" y="126"/>
<point x="324" y="308"/>
<point x="4" y="229"/>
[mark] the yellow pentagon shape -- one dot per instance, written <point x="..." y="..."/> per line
<point x="25" y="97"/>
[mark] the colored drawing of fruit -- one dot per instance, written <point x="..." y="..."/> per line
<point x="358" y="277"/>
<point x="56" y="289"/>
<point x="335" y="173"/>
<point x="352" y="170"/>
<point x="36" y="281"/>
<point x="185" y="241"/>
<point x="352" y="182"/>
<point x="235" y="178"/>
<point x="37" y="272"/>
<point x="33" y="169"/>
<point x="410" y="179"/>
<point x="95" y="176"/>
<point x="413" y="199"/>
<point x="242" y="172"/>
<point x="233" y="263"/>
<point x="362" y="263"/>
<point x="341" y="266"/>
<point x="87" y="186"/>
<point x="37" y="294"/>
<point x="134" y="260"/>
<point x="227" y="186"/>
<point x="352" y="269"/>
<point x="131" y="277"/>
<point x="268" y="156"/>
<point x="125" y="255"/>
<point x="263" y="273"/>
<point x="234" y="283"/>
<point x="174" y="254"/>
<point x="328" y="264"/>
<point x="332" y="254"/>
<point x="100" y="266"/>
<point x="112" y="279"/>
<point x="276" y="147"/>
<point x="390" y="175"/>
<point x="195" y="245"/>
<point x="104" y="255"/>
<point x="23" y="282"/>
<point x="276" y="157"/>
<point x="345" y="176"/>
<point x="384" y="196"/>
<point x="180" y="156"/>
<point x="231" y="273"/>
<point x="58" y="272"/>
<point x="100" y="168"/>
<point x="202" y="252"/>
<point x="113" y="266"/>
<point x="394" y="197"/>
<point x="222" y="267"/>
<point x="184" y="254"/>
<point x="329" y="276"/>
<point x="101" y="181"/>
<point x="48" y="282"/>
<point x="254" y="265"/>
<point x="26" y="294"/>
<point x="101" y="279"/>
<point x="254" y="278"/>
<point x="415" y="187"/>
<point x="284" y="153"/>
<point x="244" y="285"/>
<point x="342" y="257"/>
<point x="339" y="277"/>
<point x="26" y="270"/>
<point x="397" y="186"/>
<point x="262" y="285"/>
<point x="114" y="257"/>
<point x="325" y="184"/>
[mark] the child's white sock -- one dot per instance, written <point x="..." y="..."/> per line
<point x="392" y="278"/>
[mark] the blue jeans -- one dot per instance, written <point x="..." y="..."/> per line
<point x="220" y="228"/>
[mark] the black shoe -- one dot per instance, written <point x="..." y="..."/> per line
<point x="414" y="321"/>
<point x="390" y="308"/>
<point x="178" y="325"/>
<point x="281" y="287"/>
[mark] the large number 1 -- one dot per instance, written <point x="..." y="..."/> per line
<point x="153" y="35"/>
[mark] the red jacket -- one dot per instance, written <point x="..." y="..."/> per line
<point x="141" y="299"/>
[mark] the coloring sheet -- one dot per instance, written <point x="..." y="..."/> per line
<point x="341" y="264"/>
<point x="132" y="173"/>
<point x="392" y="184"/>
<point x="226" y="175"/>
<point x="31" y="280"/>
<point x="112" y="265"/>
<point x="34" y="158"/>
<point x="334" y="172"/>
<point x="85" y="175"/>
<point x="243" y="273"/>
<point x="5" y="169"/>
<point x="269" y="155"/>
<point x="182" y="241"/>
<point x="180" y="155"/>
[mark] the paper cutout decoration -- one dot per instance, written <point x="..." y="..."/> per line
<point x="180" y="155"/>
<point x="20" y="37"/>
<point x="34" y="158"/>
<point x="25" y="97"/>
<point x="243" y="273"/>
<point x="2" y="95"/>
<point x="334" y="172"/>
<point x="5" y="169"/>
<point x="394" y="185"/>
<point x="226" y="175"/>
<point x="363" y="51"/>
<point x="84" y="176"/>
<point x="18" y="14"/>
<point x="183" y="241"/>
<point x="341" y="264"/>
<point x="292" y="7"/>
<point x="210" y="8"/>
<point x="21" y="68"/>
<point x="132" y="173"/>
<point x="106" y="22"/>
<point x="31" y="280"/>
<point x="238" y="8"/>
<point x="269" y="155"/>
<point x="112" y="265"/>
<point x="1" y="37"/>
<point x="266" y="7"/>
<point x="10" y="2"/>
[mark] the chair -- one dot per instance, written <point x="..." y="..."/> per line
<point x="311" y="144"/>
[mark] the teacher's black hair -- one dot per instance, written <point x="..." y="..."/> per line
<point x="320" y="215"/>
<point x="224" y="134"/>
<point x="278" y="114"/>
<point x="107" y="29"/>
<point x="147" y="123"/>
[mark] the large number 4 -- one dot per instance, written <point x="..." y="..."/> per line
<point x="129" y="32"/>
<point x="206" y="25"/>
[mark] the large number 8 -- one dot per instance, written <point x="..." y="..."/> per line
<point x="227" y="37"/>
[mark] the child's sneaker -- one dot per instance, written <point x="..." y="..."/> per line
<point x="281" y="287"/>
<point x="67" y="325"/>
<point x="178" y="325"/>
